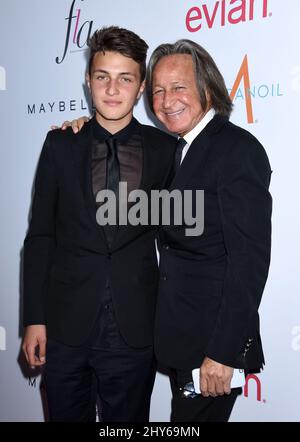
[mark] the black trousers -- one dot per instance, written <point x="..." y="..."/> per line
<point x="123" y="379"/>
<point x="200" y="408"/>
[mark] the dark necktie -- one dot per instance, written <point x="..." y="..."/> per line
<point x="178" y="154"/>
<point x="112" y="181"/>
<point x="112" y="165"/>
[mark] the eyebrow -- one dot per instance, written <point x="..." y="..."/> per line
<point x="172" y="82"/>
<point x="120" y="73"/>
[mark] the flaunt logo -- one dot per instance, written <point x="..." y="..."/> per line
<point x="247" y="92"/>
<point x="77" y="33"/>
<point x="2" y="79"/>
<point x="225" y="12"/>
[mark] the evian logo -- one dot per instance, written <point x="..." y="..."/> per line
<point x="77" y="32"/>
<point x="225" y="12"/>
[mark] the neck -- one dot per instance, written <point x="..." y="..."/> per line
<point x="113" y="126"/>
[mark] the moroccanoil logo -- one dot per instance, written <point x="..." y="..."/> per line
<point x="243" y="89"/>
<point x="225" y="12"/>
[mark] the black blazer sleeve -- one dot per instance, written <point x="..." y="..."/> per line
<point x="39" y="243"/>
<point x="245" y="205"/>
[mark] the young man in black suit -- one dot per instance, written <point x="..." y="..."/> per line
<point x="211" y="285"/>
<point x="89" y="290"/>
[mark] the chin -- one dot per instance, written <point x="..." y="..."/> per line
<point x="113" y="116"/>
<point x="175" y="128"/>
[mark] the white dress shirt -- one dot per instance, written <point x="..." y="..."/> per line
<point x="190" y="136"/>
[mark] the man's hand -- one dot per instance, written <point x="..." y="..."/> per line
<point x="76" y="125"/>
<point x="35" y="335"/>
<point x="215" y="378"/>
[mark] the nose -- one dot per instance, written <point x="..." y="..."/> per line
<point x="112" y="88"/>
<point x="168" y="99"/>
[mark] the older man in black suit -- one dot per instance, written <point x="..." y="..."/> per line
<point x="211" y="285"/>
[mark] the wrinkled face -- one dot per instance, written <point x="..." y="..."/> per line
<point x="115" y="85"/>
<point x="176" y="100"/>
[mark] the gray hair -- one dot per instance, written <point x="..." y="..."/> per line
<point x="208" y="77"/>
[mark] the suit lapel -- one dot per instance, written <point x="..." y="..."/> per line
<point x="197" y="150"/>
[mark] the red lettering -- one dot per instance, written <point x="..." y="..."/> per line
<point x="241" y="9"/>
<point x="190" y="18"/>
<point x="258" y="386"/>
<point x="210" y="20"/>
<point x="265" y="8"/>
<point x="223" y="12"/>
<point x="251" y="9"/>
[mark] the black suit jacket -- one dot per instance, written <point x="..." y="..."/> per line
<point x="211" y="285"/>
<point x="66" y="260"/>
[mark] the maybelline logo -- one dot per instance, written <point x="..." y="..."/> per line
<point x="225" y="12"/>
<point x="32" y="382"/>
<point x="57" y="106"/>
<point x="77" y="33"/>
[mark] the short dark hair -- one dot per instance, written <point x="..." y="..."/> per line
<point x="120" y="40"/>
<point x="208" y="77"/>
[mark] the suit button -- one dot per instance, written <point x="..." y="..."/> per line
<point x="166" y="246"/>
<point x="164" y="278"/>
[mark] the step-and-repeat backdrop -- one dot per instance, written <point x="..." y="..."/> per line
<point x="42" y="69"/>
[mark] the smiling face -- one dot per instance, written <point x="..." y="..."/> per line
<point x="115" y="85"/>
<point x="176" y="100"/>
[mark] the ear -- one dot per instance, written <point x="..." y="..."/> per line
<point x="88" y="81"/>
<point x="208" y="99"/>
<point x="141" y="90"/>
